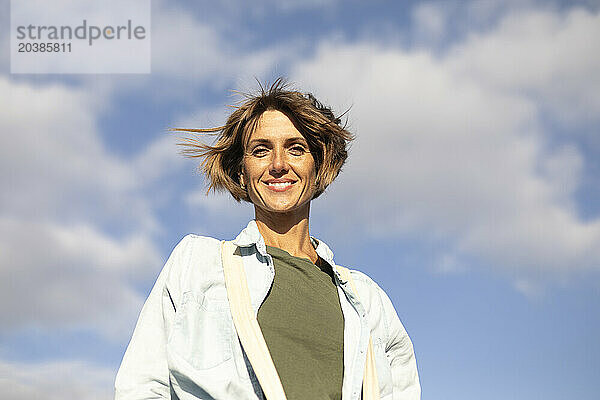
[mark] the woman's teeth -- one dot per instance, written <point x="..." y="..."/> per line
<point x="280" y="184"/>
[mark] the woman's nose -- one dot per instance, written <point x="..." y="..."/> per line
<point x="279" y="161"/>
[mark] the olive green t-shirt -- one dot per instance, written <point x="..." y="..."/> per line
<point x="302" y="322"/>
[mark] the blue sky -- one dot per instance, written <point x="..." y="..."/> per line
<point x="471" y="194"/>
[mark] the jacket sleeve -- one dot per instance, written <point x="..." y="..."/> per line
<point x="144" y="372"/>
<point x="400" y="353"/>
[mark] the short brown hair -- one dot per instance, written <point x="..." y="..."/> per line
<point x="222" y="162"/>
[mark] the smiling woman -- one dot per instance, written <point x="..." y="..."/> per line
<point x="269" y="314"/>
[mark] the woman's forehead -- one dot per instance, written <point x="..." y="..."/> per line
<point x="274" y="125"/>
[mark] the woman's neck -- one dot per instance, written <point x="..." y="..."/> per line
<point x="287" y="231"/>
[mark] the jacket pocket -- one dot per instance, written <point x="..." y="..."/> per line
<point x="202" y="331"/>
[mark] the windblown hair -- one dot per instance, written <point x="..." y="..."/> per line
<point x="222" y="161"/>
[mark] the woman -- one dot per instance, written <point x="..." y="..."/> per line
<point x="323" y="330"/>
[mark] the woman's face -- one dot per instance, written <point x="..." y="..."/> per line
<point x="278" y="168"/>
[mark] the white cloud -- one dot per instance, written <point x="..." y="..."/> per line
<point x="61" y="188"/>
<point x="51" y="154"/>
<point x="529" y="288"/>
<point x="55" y="381"/>
<point x="71" y="277"/>
<point x="453" y="147"/>
<point x="430" y="22"/>
<point x="55" y="166"/>
<point x="550" y="56"/>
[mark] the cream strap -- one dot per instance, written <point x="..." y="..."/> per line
<point x="246" y="323"/>
<point x="370" y="387"/>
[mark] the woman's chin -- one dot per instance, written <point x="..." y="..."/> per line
<point x="282" y="209"/>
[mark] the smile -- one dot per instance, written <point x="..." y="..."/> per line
<point x="279" y="186"/>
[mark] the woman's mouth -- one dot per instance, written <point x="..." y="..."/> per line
<point x="279" y="186"/>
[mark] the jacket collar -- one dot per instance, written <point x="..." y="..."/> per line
<point x="250" y="235"/>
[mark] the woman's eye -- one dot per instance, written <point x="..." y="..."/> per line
<point x="259" y="152"/>
<point x="297" y="150"/>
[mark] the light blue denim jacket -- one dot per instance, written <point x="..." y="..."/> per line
<point x="185" y="347"/>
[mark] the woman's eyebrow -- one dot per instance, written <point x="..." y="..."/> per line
<point x="296" y="139"/>
<point x="253" y="141"/>
<point x="287" y="141"/>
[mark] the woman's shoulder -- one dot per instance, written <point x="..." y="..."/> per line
<point x="369" y="292"/>
<point x="193" y="252"/>
<point x="191" y="245"/>
<point x="363" y="281"/>
<point x="193" y="240"/>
